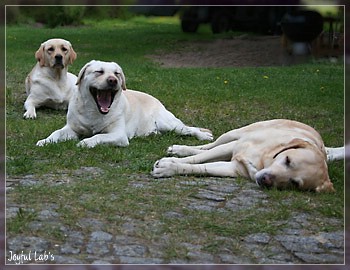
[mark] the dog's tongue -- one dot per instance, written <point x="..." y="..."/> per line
<point x="104" y="99"/>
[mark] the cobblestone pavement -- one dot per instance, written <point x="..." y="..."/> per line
<point x="299" y="243"/>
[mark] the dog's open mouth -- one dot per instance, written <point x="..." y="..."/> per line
<point x="103" y="98"/>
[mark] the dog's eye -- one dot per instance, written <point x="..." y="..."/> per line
<point x="116" y="73"/>
<point x="51" y="49"/>
<point x="64" y="49"/>
<point x="99" y="72"/>
<point x="287" y="161"/>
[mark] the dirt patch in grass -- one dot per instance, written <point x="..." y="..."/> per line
<point x="241" y="51"/>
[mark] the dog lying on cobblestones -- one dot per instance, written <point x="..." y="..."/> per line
<point x="103" y="111"/>
<point x="276" y="153"/>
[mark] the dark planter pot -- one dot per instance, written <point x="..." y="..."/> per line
<point x="302" y="26"/>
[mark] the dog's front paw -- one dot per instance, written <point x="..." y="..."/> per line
<point x="175" y="150"/>
<point x="171" y="150"/>
<point x="164" y="168"/>
<point x="88" y="143"/>
<point x="30" y="114"/>
<point x="204" y="134"/>
<point x="42" y="142"/>
<point x="183" y="151"/>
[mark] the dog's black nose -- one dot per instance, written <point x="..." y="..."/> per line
<point x="265" y="180"/>
<point x="58" y="58"/>
<point x="112" y="81"/>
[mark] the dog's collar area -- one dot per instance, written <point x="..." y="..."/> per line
<point x="103" y="98"/>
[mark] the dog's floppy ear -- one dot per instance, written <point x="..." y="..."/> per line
<point x="82" y="72"/>
<point x="327" y="186"/>
<point x="293" y="144"/>
<point x="123" y="80"/>
<point x="72" y="55"/>
<point x="39" y="55"/>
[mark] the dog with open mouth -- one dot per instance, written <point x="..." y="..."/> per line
<point x="103" y="111"/>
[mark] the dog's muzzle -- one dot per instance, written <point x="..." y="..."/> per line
<point x="58" y="61"/>
<point x="265" y="180"/>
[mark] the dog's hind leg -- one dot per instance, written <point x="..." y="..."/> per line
<point x="337" y="153"/>
<point x="219" y="153"/>
<point x="184" y="150"/>
<point x="166" y="121"/>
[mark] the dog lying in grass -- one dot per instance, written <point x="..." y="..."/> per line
<point x="104" y="112"/>
<point x="276" y="153"/>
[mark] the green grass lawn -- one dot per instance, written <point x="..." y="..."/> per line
<point x="216" y="98"/>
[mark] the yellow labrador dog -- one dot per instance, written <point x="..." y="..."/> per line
<point x="50" y="84"/>
<point x="277" y="153"/>
<point x="103" y="111"/>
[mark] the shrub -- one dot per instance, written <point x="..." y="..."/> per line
<point x="52" y="16"/>
<point x="64" y="15"/>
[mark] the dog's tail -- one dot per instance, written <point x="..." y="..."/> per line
<point x="336" y="153"/>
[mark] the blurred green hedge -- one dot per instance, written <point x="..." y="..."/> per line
<point x="53" y="16"/>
